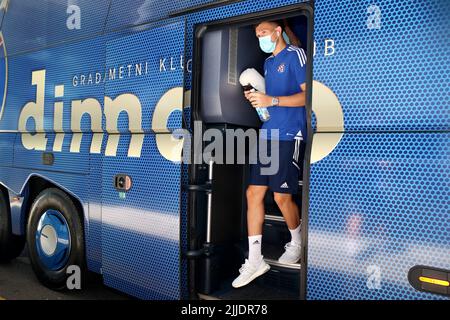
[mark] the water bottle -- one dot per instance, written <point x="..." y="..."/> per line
<point x="251" y="80"/>
<point x="263" y="113"/>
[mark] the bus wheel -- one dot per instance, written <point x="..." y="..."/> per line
<point x="55" y="240"/>
<point x="11" y="246"/>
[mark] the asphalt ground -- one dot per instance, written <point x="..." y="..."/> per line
<point x="18" y="282"/>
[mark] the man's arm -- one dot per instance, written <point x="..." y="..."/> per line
<point x="261" y="100"/>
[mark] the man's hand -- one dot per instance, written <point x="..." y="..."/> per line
<point x="258" y="99"/>
<point x="246" y="94"/>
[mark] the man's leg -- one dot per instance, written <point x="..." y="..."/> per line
<point x="289" y="208"/>
<point x="255" y="265"/>
<point x="291" y="214"/>
<point x="255" y="221"/>
<point x="285" y="187"/>
<point x="255" y="209"/>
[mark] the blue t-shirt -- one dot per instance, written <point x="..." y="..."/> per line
<point x="284" y="73"/>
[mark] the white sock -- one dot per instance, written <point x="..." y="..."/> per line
<point x="254" y="249"/>
<point x="296" y="235"/>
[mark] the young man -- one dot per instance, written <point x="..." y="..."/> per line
<point x="285" y="77"/>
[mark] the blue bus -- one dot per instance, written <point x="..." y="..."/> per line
<point x="91" y="170"/>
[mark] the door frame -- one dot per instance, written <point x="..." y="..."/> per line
<point x="306" y="9"/>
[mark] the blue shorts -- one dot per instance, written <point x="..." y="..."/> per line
<point x="290" y="169"/>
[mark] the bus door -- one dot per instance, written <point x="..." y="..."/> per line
<point x="141" y="168"/>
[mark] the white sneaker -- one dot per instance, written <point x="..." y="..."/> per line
<point x="292" y="253"/>
<point x="249" y="272"/>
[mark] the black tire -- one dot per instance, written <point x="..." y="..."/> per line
<point x="55" y="199"/>
<point x="11" y="246"/>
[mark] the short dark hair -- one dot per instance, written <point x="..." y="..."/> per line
<point x="277" y="22"/>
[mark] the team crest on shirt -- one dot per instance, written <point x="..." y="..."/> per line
<point x="281" y="68"/>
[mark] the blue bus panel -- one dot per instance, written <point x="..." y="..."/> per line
<point x="386" y="61"/>
<point x="378" y="207"/>
<point x="33" y="25"/>
<point x="141" y="229"/>
<point x="133" y="13"/>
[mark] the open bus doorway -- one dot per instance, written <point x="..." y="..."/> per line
<point x="217" y="207"/>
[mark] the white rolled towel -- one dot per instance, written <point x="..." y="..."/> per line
<point x="254" y="78"/>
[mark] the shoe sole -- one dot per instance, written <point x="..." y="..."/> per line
<point x="253" y="277"/>
<point x="289" y="262"/>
